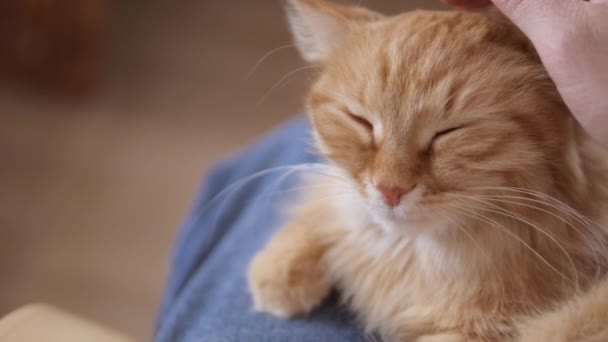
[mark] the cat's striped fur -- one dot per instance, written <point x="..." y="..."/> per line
<point x="501" y="238"/>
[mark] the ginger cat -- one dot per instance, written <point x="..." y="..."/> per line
<point x="464" y="203"/>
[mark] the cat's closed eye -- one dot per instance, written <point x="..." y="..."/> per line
<point x="441" y="134"/>
<point x="361" y="121"/>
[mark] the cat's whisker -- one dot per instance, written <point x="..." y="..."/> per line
<point x="565" y="221"/>
<point x="544" y="196"/>
<point x="302" y="188"/>
<point x="512" y="215"/>
<point x="290" y="169"/>
<point x="241" y="183"/>
<point x="327" y="198"/>
<point x="322" y="169"/>
<point x="541" y="198"/>
<point x="444" y="214"/>
<point x="475" y="215"/>
<point x="555" y="206"/>
<point x="329" y="172"/>
<point x="280" y="82"/>
<point x="266" y="56"/>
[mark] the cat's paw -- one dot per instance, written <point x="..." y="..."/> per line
<point x="286" y="283"/>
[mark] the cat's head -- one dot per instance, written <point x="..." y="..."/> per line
<point x="428" y="111"/>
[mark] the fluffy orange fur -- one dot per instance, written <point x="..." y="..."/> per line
<point x="500" y="235"/>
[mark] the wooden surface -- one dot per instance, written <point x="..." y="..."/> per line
<point x="93" y="190"/>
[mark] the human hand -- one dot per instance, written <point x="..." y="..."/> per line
<point x="571" y="37"/>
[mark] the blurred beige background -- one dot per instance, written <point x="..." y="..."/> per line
<point x="93" y="187"/>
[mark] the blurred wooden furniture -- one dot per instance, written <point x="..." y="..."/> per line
<point x="51" y="43"/>
<point x="39" y="322"/>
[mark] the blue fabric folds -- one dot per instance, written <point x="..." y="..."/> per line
<point x="207" y="299"/>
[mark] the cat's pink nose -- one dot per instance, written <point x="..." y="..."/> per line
<point x="392" y="194"/>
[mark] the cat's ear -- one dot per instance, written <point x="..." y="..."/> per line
<point x="319" y="27"/>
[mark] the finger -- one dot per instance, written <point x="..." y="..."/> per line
<point x="539" y="18"/>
